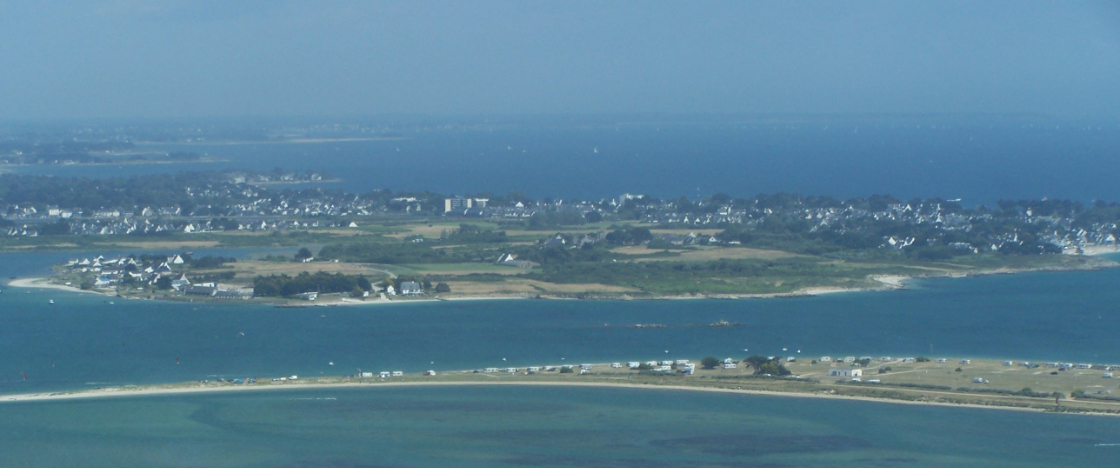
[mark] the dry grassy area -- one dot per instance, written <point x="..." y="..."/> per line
<point x="430" y="231"/>
<point x="248" y="269"/>
<point x="1014" y="377"/>
<point x="706" y="254"/>
<point x="529" y="287"/>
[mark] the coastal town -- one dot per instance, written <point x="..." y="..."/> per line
<point x="398" y="245"/>
<point x="238" y="202"/>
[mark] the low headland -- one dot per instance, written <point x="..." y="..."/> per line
<point x="982" y="383"/>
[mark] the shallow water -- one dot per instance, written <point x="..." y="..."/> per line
<point x="538" y="426"/>
<point x="83" y="341"/>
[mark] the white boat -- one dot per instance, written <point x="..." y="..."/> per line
<point x="51" y="301"/>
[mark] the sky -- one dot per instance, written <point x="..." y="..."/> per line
<point x="205" y="58"/>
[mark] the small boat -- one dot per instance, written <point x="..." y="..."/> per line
<point x="51" y="301"/>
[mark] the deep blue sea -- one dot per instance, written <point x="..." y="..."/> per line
<point x="977" y="163"/>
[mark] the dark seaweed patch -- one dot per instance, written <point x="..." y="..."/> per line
<point x="763" y="444"/>
<point x="335" y="464"/>
<point x="596" y="462"/>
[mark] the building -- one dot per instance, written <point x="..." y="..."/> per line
<point x="512" y="261"/>
<point x="201" y="290"/>
<point x="845" y="372"/>
<point x="411" y="288"/>
<point x="457" y="204"/>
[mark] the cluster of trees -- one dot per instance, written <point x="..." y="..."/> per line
<point x="82" y="193"/>
<point x="284" y="285"/>
<point x="629" y="236"/>
<point x="764" y="365"/>
<point x="207" y="262"/>
<point x="474" y="234"/>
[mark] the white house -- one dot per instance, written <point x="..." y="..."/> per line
<point x="845" y="372"/>
<point x="411" y="288"/>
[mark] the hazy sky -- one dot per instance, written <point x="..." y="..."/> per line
<point x="150" y="58"/>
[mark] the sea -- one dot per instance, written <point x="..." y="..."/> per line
<point x="85" y="341"/>
<point x="978" y="162"/>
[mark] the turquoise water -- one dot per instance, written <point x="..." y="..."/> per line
<point x="83" y="340"/>
<point x="548" y="427"/>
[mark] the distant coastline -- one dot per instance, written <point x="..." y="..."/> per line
<point x="121" y="162"/>
<point x="882" y="283"/>
<point x="267" y="142"/>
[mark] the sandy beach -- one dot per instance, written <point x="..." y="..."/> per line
<point x="43" y="283"/>
<point x="156" y="391"/>
<point x="1100" y="249"/>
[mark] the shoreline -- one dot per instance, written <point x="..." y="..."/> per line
<point x="43" y="283"/>
<point x="880" y="283"/>
<point x="145" y="391"/>
<point x="123" y="162"/>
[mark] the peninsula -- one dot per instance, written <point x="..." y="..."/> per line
<point x="330" y="246"/>
<point x="1042" y="386"/>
